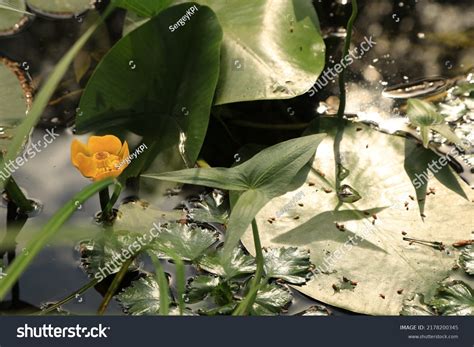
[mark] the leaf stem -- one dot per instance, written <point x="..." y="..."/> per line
<point x="114" y="286"/>
<point x="15" y="193"/>
<point x="342" y="99"/>
<point x="249" y="299"/>
<point x="68" y="298"/>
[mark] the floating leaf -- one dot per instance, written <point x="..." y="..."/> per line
<point x="188" y="242"/>
<point x="15" y="100"/>
<point x="60" y="8"/>
<point x="13" y="16"/>
<point x="467" y="260"/>
<point x="249" y="70"/>
<point x="291" y="264"/>
<point x="316" y="310"/>
<point x="416" y="307"/>
<point x="144" y="8"/>
<point x="271" y="300"/>
<point x="365" y="240"/>
<point x="236" y="265"/>
<point x="141" y="298"/>
<point x="140" y="216"/>
<point x="455" y="298"/>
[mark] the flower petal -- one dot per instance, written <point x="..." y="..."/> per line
<point x="76" y="148"/>
<point x="124" y="152"/>
<point x="113" y="173"/>
<point x="86" y="165"/>
<point x="107" y="143"/>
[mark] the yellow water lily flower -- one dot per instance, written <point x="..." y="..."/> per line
<point x="102" y="157"/>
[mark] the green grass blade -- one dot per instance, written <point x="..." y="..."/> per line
<point x="40" y="239"/>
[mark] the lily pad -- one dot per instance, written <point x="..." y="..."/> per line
<point x="455" y="298"/>
<point x="271" y="300"/>
<point x="15" y="100"/>
<point x="60" y="8"/>
<point x="140" y="216"/>
<point x="188" y="242"/>
<point x="367" y="240"/>
<point x="261" y="61"/>
<point x="467" y="259"/>
<point x="13" y="16"/>
<point x="141" y="298"/>
<point x="236" y="265"/>
<point x="289" y="264"/>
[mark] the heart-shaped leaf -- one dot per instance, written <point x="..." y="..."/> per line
<point x="261" y="61"/>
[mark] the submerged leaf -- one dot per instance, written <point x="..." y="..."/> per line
<point x="105" y="255"/>
<point x="467" y="260"/>
<point x="188" y="242"/>
<point x="290" y="264"/>
<point x="211" y="208"/>
<point x="141" y="298"/>
<point x="13" y="16"/>
<point x="62" y="8"/>
<point x="271" y="300"/>
<point x="416" y="307"/>
<point x="236" y="265"/>
<point x="455" y="298"/>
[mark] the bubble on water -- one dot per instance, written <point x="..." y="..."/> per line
<point x="79" y="298"/>
<point x="421" y="35"/>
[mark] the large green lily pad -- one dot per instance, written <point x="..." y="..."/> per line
<point x="384" y="268"/>
<point x="13" y="16"/>
<point x="15" y="100"/>
<point x="60" y="8"/>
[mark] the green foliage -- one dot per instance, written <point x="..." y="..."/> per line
<point x="142" y="297"/>
<point x="271" y="299"/>
<point x="268" y="174"/>
<point x="467" y="260"/>
<point x="424" y="115"/>
<point x="455" y="298"/>
<point x="289" y="264"/>
<point x="237" y="265"/>
<point x="174" y="76"/>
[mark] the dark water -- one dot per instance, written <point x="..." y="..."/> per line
<point x="414" y="39"/>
